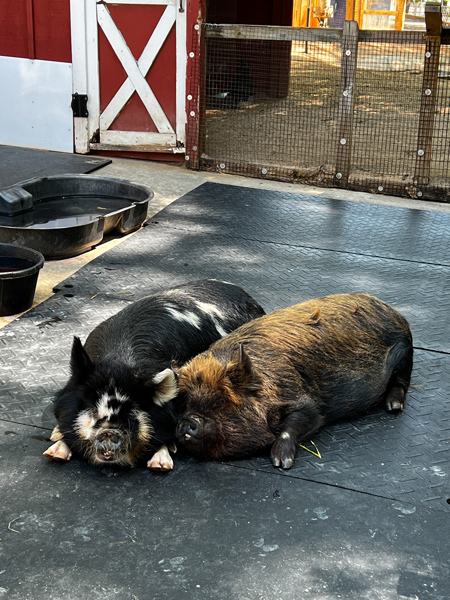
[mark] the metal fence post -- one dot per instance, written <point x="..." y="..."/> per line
<point x="433" y="20"/>
<point x="346" y="102"/>
<point x="195" y="105"/>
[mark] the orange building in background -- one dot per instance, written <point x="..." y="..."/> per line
<point x="369" y="14"/>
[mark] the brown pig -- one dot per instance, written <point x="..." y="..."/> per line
<point x="277" y="380"/>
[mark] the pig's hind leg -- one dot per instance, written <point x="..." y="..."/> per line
<point x="297" y="426"/>
<point x="401" y="356"/>
<point x="395" y="398"/>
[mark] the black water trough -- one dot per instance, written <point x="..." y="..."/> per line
<point x="19" y="272"/>
<point x="66" y="215"/>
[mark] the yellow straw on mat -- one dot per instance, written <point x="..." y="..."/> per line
<point x="316" y="453"/>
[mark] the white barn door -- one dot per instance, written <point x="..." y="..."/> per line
<point x="129" y="75"/>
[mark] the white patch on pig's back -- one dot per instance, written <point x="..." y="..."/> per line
<point x="185" y="316"/>
<point x="213" y="312"/>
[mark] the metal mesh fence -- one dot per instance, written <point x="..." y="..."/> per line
<point x="440" y="162"/>
<point x="388" y="84"/>
<point x="263" y="107"/>
<point x="276" y="104"/>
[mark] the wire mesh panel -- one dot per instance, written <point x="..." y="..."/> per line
<point x="271" y="105"/>
<point x="364" y="110"/>
<point x="388" y="85"/>
<point x="440" y="163"/>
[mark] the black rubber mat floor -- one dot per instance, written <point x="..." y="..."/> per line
<point x="20" y="164"/>
<point x="368" y="520"/>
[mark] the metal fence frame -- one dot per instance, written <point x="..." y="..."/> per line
<point x="349" y="38"/>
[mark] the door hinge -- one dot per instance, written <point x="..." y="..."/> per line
<point x="79" y="105"/>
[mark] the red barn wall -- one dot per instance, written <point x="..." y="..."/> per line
<point x="36" y="29"/>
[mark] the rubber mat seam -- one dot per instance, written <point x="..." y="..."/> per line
<point x="25" y="424"/>
<point x="319" y="248"/>
<point x="431" y="350"/>
<point x="333" y="485"/>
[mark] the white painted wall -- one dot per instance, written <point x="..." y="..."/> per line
<point x="35" y="102"/>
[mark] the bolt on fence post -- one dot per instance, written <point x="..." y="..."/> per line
<point x="349" y="55"/>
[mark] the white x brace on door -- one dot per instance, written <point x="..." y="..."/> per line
<point x="96" y="122"/>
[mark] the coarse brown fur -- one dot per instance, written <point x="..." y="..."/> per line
<point x="276" y="380"/>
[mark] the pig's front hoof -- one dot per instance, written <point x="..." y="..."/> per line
<point x="283" y="452"/>
<point x="59" y="451"/>
<point x="161" y="460"/>
<point x="56" y="434"/>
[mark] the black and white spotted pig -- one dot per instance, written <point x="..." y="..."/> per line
<point x="116" y="407"/>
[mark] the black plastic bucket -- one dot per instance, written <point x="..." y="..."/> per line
<point x="19" y="272"/>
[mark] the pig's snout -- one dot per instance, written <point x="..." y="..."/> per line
<point x="189" y="428"/>
<point x="108" y="444"/>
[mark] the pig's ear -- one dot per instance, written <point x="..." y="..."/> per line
<point x="166" y="386"/>
<point x="80" y="363"/>
<point x="242" y="373"/>
<point x="175" y="368"/>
